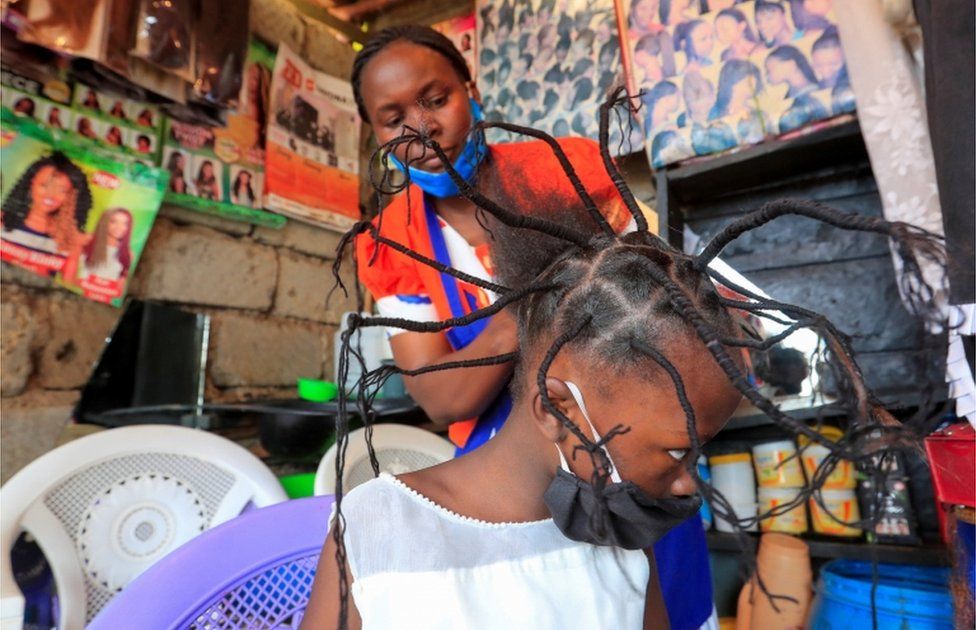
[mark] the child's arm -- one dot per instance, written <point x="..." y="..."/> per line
<point x="655" y="612"/>
<point x="323" y="606"/>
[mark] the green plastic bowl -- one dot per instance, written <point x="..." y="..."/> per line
<point x="298" y="486"/>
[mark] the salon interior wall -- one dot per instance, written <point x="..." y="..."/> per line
<point x="265" y="290"/>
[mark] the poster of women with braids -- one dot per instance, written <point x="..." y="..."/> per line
<point x="549" y="64"/>
<point x="714" y="75"/>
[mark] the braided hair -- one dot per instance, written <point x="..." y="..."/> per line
<point x="621" y="299"/>
<point x="414" y="34"/>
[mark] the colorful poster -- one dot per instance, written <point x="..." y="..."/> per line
<point x="221" y="169"/>
<point x="462" y="31"/>
<point x="312" y="159"/>
<point x="72" y="214"/>
<point x="721" y="74"/>
<point x="549" y="65"/>
<point x="116" y="121"/>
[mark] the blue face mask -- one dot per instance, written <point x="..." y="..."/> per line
<point x="440" y="184"/>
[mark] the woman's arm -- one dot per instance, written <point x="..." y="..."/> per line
<point x="463" y="393"/>
<point x="655" y="612"/>
<point x="323" y="605"/>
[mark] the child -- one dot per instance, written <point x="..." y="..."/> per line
<point x="627" y="353"/>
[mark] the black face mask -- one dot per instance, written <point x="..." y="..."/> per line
<point x="626" y="517"/>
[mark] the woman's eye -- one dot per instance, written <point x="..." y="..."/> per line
<point x="678" y="453"/>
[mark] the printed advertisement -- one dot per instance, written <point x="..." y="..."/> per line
<point x="549" y="66"/>
<point x="312" y="159"/>
<point x="462" y="31"/>
<point x="721" y="74"/>
<point x="71" y="214"/>
<point x="221" y="169"/>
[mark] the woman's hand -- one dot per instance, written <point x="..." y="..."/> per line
<point x="463" y="393"/>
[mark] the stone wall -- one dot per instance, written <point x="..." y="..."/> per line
<point x="265" y="291"/>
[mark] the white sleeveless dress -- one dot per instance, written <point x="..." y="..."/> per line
<point x="416" y="564"/>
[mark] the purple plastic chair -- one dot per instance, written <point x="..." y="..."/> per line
<point x="255" y="571"/>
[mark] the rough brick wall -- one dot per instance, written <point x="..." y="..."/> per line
<point x="265" y="291"/>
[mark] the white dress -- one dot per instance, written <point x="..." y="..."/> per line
<point x="415" y="564"/>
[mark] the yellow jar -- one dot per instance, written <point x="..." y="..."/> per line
<point x="812" y="456"/>
<point x="792" y="522"/>
<point x="842" y="504"/>
<point x="777" y="465"/>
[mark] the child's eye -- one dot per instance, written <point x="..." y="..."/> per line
<point x="678" y="453"/>
<point x="394" y="122"/>
<point x="438" y="101"/>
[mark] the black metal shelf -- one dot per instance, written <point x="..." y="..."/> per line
<point x="928" y="554"/>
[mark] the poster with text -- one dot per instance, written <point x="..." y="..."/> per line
<point x="549" y="65"/>
<point x="312" y="152"/>
<point x="719" y="74"/>
<point x="72" y="214"/>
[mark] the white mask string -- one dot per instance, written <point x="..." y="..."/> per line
<point x="578" y="397"/>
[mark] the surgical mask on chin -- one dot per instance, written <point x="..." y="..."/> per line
<point x="440" y="184"/>
<point x="627" y="517"/>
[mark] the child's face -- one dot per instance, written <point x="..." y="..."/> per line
<point x="118" y="225"/>
<point x="49" y="190"/>
<point x="777" y="71"/>
<point x="653" y="453"/>
<point x="703" y="39"/>
<point x="769" y="23"/>
<point x="827" y="63"/>
<point x="728" y="29"/>
<point x="410" y="85"/>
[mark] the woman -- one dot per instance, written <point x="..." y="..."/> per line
<point x="644" y="18"/>
<point x="660" y="104"/>
<point x="414" y="78"/>
<point x="707" y="136"/>
<point x="24" y="106"/>
<point x="85" y="128"/>
<point x="176" y="164"/>
<point x="787" y="65"/>
<point x="696" y="39"/>
<point x="739" y="86"/>
<point x="117" y="110"/>
<point x="674" y="12"/>
<point x="206" y="182"/>
<point x="108" y="253"/>
<point x="734" y="32"/>
<point x="54" y="118"/>
<point x="47" y="208"/>
<point x="242" y="193"/>
<point x="114" y="136"/>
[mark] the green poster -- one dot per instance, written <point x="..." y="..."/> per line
<point x="73" y="213"/>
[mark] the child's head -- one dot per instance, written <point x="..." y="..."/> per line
<point x="597" y="327"/>
<point x="413" y="76"/>
<point x="828" y="58"/>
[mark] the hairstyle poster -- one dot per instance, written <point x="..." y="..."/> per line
<point x="462" y="31"/>
<point x="116" y="122"/>
<point x="549" y="64"/>
<point x="718" y="74"/>
<point x="222" y="168"/>
<point x="71" y="214"/>
<point x="312" y="152"/>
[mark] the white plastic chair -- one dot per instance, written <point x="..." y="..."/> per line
<point x="105" y="507"/>
<point x="399" y="449"/>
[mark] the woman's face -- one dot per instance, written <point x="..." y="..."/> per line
<point x="408" y="85"/>
<point x="742" y="93"/>
<point x="667" y="105"/>
<point x="645" y="12"/>
<point x="118" y="225"/>
<point x="245" y="178"/>
<point x="703" y="39"/>
<point x="701" y="103"/>
<point x="49" y="190"/>
<point x="180" y="161"/>
<point x="207" y="170"/>
<point x="728" y="30"/>
<point x="778" y="71"/>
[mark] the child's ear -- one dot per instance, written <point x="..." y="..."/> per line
<point x="548" y="423"/>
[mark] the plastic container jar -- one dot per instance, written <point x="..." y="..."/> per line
<point x="813" y="455"/>
<point x="742" y="510"/>
<point x="732" y="477"/>
<point x="842" y="504"/>
<point x="792" y="522"/>
<point x="777" y="465"/>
